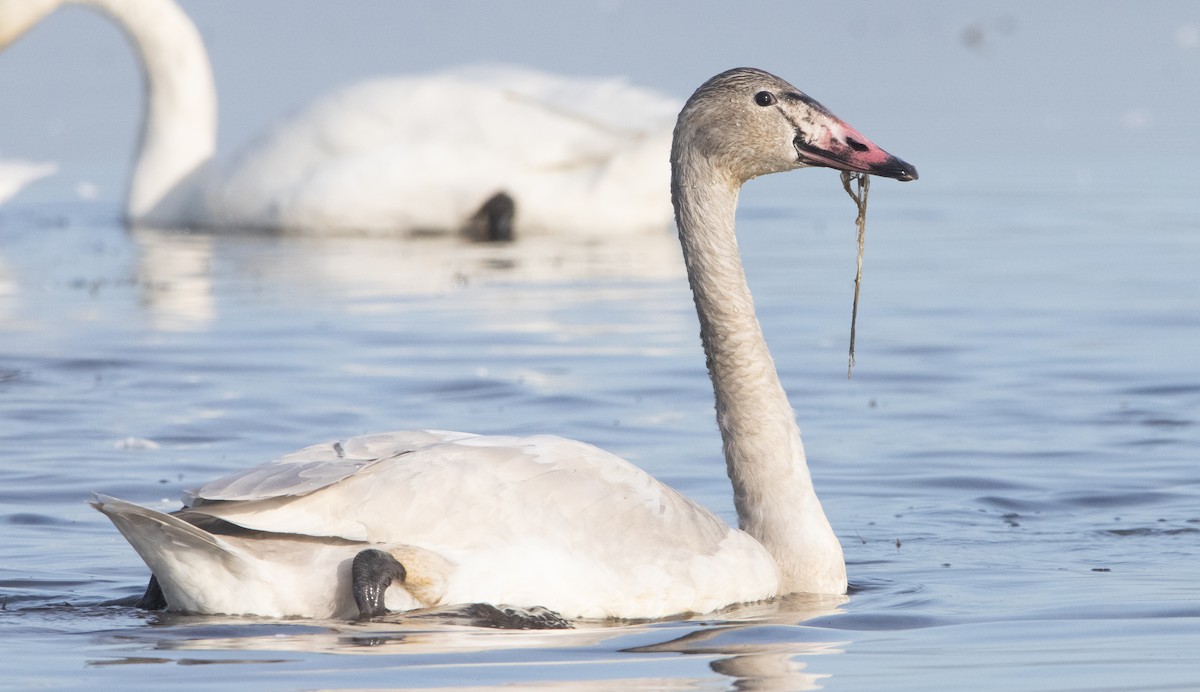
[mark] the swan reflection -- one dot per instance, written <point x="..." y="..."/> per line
<point x="762" y="646"/>
<point x="174" y="272"/>
<point x="182" y="275"/>
<point x="764" y="654"/>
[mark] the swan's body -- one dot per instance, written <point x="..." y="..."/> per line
<point x="388" y="156"/>
<point x="495" y="508"/>
<point x="543" y="520"/>
<point x="15" y="174"/>
<point x="413" y="153"/>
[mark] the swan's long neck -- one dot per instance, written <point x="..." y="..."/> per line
<point x="772" y="489"/>
<point x="179" y="129"/>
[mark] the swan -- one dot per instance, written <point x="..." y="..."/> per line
<point x="477" y="149"/>
<point x="405" y="520"/>
<point x="15" y="174"/>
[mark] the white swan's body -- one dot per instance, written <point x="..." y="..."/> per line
<point x="388" y="156"/>
<point x="543" y="520"/>
<point x="495" y="508"/>
<point x="15" y="174"/>
<point x="423" y="153"/>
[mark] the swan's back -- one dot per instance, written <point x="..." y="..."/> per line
<point x="541" y="520"/>
<point x="543" y="486"/>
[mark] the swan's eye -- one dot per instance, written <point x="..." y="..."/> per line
<point x="764" y="98"/>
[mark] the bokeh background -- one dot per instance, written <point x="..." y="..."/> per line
<point x="1088" y="90"/>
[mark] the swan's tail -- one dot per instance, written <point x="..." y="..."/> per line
<point x="168" y="545"/>
<point x="239" y="573"/>
<point x="147" y="529"/>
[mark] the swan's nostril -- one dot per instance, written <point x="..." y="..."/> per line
<point x="856" y="145"/>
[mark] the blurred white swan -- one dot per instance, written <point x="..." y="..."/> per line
<point x="15" y="174"/>
<point x="412" y="519"/>
<point x="388" y="156"/>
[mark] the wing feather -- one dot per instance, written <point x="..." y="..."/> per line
<point x="423" y="488"/>
<point x="314" y="467"/>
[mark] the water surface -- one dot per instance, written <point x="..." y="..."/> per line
<point x="1012" y="469"/>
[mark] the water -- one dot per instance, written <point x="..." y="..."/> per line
<point x="1012" y="469"/>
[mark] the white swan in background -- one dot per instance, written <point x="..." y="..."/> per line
<point x="411" y="519"/>
<point x="390" y="156"/>
<point x="15" y="174"/>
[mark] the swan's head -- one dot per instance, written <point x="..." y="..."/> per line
<point x="748" y="123"/>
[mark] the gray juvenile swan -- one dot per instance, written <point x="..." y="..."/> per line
<point x="389" y="155"/>
<point x="411" y="519"/>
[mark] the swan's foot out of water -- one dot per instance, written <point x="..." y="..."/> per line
<point x="371" y="573"/>
<point x="153" y="599"/>
<point x="494" y="220"/>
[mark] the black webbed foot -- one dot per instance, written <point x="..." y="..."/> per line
<point x="153" y="599"/>
<point x="513" y="618"/>
<point x="494" y="220"/>
<point x="497" y="616"/>
<point x="371" y="573"/>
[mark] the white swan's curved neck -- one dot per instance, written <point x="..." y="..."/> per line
<point x="178" y="135"/>
<point x="773" y="492"/>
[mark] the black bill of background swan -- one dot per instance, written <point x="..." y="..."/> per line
<point x="407" y="520"/>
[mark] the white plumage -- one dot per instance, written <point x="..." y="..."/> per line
<point x="496" y="508"/>
<point x="15" y="174"/>
<point x="544" y="521"/>
<point x="388" y="156"/>
<point x="423" y="153"/>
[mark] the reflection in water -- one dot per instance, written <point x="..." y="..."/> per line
<point x="407" y="636"/>
<point x="180" y="274"/>
<point x="174" y="271"/>
<point x="760" y="646"/>
<point x="761" y="654"/>
<point x="768" y="672"/>
<point x="8" y="292"/>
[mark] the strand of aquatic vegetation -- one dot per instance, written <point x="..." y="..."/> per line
<point x="860" y="198"/>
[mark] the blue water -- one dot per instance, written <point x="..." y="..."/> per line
<point x="1012" y="468"/>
